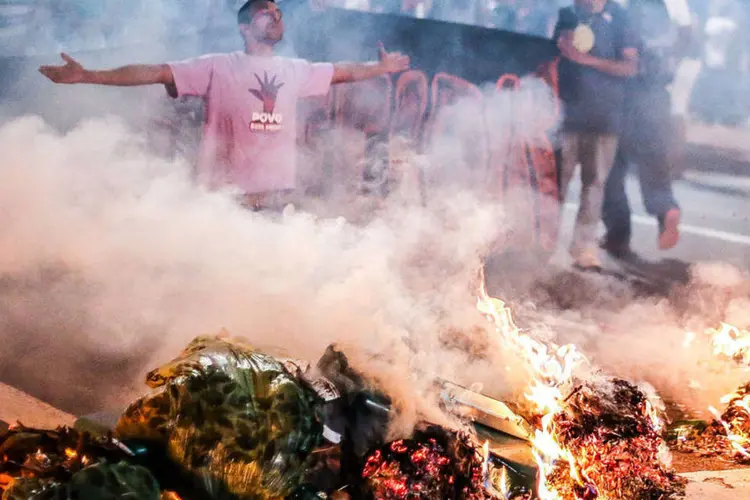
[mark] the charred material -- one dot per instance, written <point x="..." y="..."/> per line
<point x="434" y="463"/>
<point x="728" y="436"/>
<point x="614" y="442"/>
<point x="64" y="463"/>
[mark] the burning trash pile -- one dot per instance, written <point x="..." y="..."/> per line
<point x="598" y="438"/>
<point x="608" y="444"/>
<point x="433" y="464"/>
<point x="225" y="421"/>
<point x="728" y="436"/>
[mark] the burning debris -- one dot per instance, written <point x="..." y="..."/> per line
<point x="228" y="422"/>
<point x="736" y="422"/>
<point x="728" y="436"/>
<point x="432" y="464"/>
<point x="225" y="421"/>
<point x="609" y="446"/>
<point x="64" y="463"/>
<point x="600" y="438"/>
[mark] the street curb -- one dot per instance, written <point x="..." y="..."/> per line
<point x="17" y="406"/>
<point x="704" y="158"/>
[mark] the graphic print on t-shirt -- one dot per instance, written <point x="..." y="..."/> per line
<point x="267" y="120"/>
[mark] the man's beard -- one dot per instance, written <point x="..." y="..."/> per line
<point x="272" y="39"/>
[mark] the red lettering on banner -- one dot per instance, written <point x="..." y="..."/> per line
<point x="410" y="106"/>
<point x="522" y="169"/>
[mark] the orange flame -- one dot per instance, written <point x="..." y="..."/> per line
<point x="549" y="368"/>
<point x="734" y="343"/>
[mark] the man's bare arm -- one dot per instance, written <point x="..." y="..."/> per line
<point x="392" y="62"/>
<point x="126" y="76"/>
<point x="351" y="72"/>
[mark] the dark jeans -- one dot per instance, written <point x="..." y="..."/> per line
<point x="644" y="142"/>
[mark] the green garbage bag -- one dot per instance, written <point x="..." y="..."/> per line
<point x="102" y="481"/>
<point x="64" y="463"/>
<point x="233" y="417"/>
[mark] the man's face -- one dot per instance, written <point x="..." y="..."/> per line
<point x="266" y="24"/>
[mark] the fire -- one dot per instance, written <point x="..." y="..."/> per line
<point x="434" y="463"/>
<point x="730" y="433"/>
<point x="598" y="438"/>
<point x="549" y="369"/>
<point x="730" y="341"/>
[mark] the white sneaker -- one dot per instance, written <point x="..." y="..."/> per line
<point x="586" y="259"/>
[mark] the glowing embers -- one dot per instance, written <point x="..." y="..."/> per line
<point x="729" y="435"/>
<point x="434" y="463"/>
<point x="599" y="438"/>
<point x="607" y="444"/>
<point x="736" y="422"/>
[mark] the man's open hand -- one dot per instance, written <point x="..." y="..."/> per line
<point x="70" y="72"/>
<point x="392" y="62"/>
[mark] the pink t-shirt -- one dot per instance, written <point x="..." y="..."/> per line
<point x="250" y="132"/>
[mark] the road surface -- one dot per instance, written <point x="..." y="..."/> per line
<point x="715" y="220"/>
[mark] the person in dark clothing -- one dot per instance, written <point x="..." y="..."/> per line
<point x="646" y="133"/>
<point x="599" y="52"/>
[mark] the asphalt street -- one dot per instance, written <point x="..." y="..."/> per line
<point x="715" y="220"/>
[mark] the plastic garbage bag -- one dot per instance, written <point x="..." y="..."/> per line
<point x="233" y="417"/>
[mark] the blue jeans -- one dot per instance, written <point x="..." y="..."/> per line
<point x="644" y="143"/>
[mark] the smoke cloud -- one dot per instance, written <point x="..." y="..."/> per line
<point x="112" y="259"/>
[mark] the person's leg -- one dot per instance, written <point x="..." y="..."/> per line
<point x="615" y="207"/>
<point x="659" y="200"/>
<point x="654" y="170"/>
<point x="569" y="142"/>
<point x="597" y="155"/>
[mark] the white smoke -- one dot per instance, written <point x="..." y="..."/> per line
<point x="111" y="260"/>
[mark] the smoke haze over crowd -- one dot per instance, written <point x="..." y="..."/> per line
<point x="112" y="259"/>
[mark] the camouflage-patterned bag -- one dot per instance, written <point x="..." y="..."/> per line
<point x="233" y="417"/>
